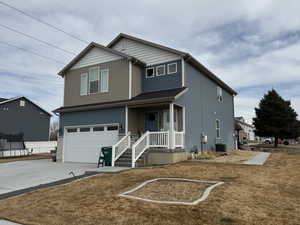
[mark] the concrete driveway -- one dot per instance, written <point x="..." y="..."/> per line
<point x="25" y="174"/>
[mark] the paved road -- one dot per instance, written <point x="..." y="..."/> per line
<point x="24" y="174"/>
<point x="259" y="159"/>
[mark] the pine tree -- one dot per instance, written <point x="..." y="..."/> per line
<point x="275" y="118"/>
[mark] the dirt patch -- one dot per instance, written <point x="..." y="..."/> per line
<point x="28" y="157"/>
<point x="256" y="195"/>
<point x="234" y="156"/>
<point x="164" y="190"/>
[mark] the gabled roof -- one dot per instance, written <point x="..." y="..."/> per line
<point x="3" y="99"/>
<point x="88" y="48"/>
<point x="186" y="56"/>
<point x="22" y="97"/>
<point x="154" y="97"/>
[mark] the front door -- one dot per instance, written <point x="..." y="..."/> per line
<point x="151" y="121"/>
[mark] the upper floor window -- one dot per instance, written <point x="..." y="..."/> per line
<point x="218" y="130"/>
<point x="160" y="70"/>
<point x="84" y="84"/>
<point x="219" y="94"/>
<point x="94" y="80"/>
<point x="149" y="72"/>
<point x="22" y="103"/>
<point x="172" y="68"/>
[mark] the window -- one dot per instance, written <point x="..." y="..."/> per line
<point x="172" y="68"/>
<point x="98" y="129"/>
<point x="93" y="80"/>
<point x="72" y="130"/>
<point x="85" y="129"/>
<point x="219" y="94"/>
<point x="149" y="72"/>
<point x="112" y="128"/>
<point x="22" y="103"/>
<point x="104" y="80"/>
<point x="160" y="70"/>
<point x="218" y="128"/>
<point x="83" y="84"/>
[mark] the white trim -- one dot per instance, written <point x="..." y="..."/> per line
<point x="156" y="68"/>
<point x="126" y="120"/>
<point x="171" y="126"/>
<point x="92" y="125"/>
<point x="183" y="119"/>
<point x="181" y="93"/>
<point x="183" y="71"/>
<point x="202" y="198"/>
<point x="149" y="69"/>
<point x="169" y="64"/>
<point x="130" y="80"/>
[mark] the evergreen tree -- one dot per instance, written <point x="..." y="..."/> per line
<point x="276" y="118"/>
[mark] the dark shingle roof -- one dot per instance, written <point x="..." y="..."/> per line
<point x="144" y="98"/>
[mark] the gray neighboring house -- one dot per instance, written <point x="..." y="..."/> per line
<point x="20" y="115"/>
<point x="151" y="103"/>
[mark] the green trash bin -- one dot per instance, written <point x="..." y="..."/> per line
<point x="107" y="154"/>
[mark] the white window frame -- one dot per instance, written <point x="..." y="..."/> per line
<point x="101" y="81"/>
<point x="22" y="103"/>
<point x="89" y="80"/>
<point x="169" y="68"/>
<point x="218" y="129"/>
<point x="164" y="73"/>
<point x="147" y="71"/>
<point x="87" y="84"/>
<point x="219" y="94"/>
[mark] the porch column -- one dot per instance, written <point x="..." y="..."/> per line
<point x="171" y="125"/>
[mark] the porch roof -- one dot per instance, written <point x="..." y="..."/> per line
<point x="164" y="96"/>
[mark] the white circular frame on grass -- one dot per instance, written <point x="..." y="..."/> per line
<point x="202" y="198"/>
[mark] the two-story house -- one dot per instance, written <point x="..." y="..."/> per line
<point x="20" y="115"/>
<point x="138" y="97"/>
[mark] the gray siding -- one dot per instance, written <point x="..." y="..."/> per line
<point x="202" y="110"/>
<point x="29" y="120"/>
<point x="168" y="81"/>
<point x="103" y="116"/>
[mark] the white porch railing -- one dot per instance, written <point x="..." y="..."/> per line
<point x="120" y="147"/>
<point x="179" y="139"/>
<point x="147" y="140"/>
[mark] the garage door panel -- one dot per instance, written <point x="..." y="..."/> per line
<point x="86" y="146"/>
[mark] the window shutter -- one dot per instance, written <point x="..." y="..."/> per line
<point x="83" y="84"/>
<point x="104" y="80"/>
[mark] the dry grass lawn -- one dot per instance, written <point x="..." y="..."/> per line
<point x="28" y="157"/>
<point x="251" y="195"/>
<point x="163" y="190"/>
<point x="234" y="156"/>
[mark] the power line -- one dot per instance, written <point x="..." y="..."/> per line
<point x="32" y="52"/>
<point x="41" y="21"/>
<point x="36" y="39"/>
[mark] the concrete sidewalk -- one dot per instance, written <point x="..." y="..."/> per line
<point x="5" y="222"/>
<point x="259" y="159"/>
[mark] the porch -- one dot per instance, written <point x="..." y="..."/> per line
<point x="159" y="126"/>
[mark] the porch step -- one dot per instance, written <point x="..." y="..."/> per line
<point x="125" y="160"/>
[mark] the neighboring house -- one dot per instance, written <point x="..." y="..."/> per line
<point x="20" y="115"/>
<point x="143" y="96"/>
<point x="245" y="132"/>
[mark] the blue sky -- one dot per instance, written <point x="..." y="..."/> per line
<point x="252" y="45"/>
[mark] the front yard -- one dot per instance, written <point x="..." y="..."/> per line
<point x="268" y="194"/>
